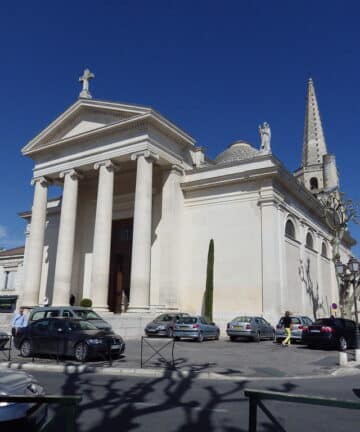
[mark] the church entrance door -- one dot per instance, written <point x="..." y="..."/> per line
<point x="120" y="265"/>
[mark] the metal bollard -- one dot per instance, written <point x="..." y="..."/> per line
<point x="343" y="358"/>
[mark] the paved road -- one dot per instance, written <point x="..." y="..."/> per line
<point x="113" y="403"/>
<point x="265" y="359"/>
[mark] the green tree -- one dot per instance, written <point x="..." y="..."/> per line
<point x="209" y="291"/>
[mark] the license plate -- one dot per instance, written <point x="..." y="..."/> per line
<point x="151" y="330"/>
<point x="314" y="331"/>
<point x="238" y="327"/>
<point x="115" y="346"/>
<point x="183" y="327"/>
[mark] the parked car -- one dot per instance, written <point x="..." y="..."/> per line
<point x="331" y="332"/>
<point x="69" y="312"/>
<point x="21" y="416"/>
<point x="163" y="325"/>
<point x="195" y="327"/>
<point x="250" y="327"/>
<point x="298" y="324"/>
<point x="67" y="337"/>
<point x="4" y="339"/>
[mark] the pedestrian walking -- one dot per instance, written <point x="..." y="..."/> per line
<point x="287" y="327"/>
<point x="18" y="321"/>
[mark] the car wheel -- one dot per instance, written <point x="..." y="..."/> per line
<point x="26" y="348"/>
<point x="273" y="336"/>
<point x="278" y="340"/>
<point x="170" y="332"/>
<point x="217" y="337"/>
<point x="176" y="338"/>
<point x="257" y="337"/>
<point x="232" y="338"/>
<point x="343" y="345"/>
<point x="81" y="352"/>
<point x="200" y="337"/>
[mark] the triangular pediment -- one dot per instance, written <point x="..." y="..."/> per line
<point x="82" y="117"/>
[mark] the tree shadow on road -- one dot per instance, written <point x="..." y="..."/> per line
<point x="112" y="405"/>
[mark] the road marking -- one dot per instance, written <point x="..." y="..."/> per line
<point x="217" y="410"/>
<point x="150" y="404"/>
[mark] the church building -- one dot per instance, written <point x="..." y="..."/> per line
<point x="141" y="202"/>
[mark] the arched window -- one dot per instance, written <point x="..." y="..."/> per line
<point x="290" y="229"/>
<point x="309" y="241"/>
<point x="324" y="250"/>
<point x="314" y="183"/>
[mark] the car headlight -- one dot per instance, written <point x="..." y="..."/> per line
<point x="94" y="341"/>
<point x="5" y="404"/>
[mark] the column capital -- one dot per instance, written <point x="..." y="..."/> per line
<point x="178" y="169"/>
<point x="75" y="175"/>
<point x="42" y="180"/>
<point x="108" y="164"/>
<point x="148" y="154"/>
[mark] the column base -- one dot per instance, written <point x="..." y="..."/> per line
<point x="138" y="309"/>
<point x="100" y="308"/>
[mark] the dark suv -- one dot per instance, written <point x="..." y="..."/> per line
<point x="333" y="332"/>
<point x="69" y="312"/>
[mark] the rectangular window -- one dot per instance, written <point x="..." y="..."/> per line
<point x="7" y="304"/>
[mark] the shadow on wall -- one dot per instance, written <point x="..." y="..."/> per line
<point x="310" y="289"/>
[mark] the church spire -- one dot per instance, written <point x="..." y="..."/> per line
<point x="314" y="146"/>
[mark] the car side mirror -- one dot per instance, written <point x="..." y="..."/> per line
<point x="212" y="323"/>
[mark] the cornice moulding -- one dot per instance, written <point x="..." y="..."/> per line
<point x="144" y="118"/>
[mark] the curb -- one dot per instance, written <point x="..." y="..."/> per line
<point x="163" y="373"/>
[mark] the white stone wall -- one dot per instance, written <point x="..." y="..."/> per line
<point x="15" y="268"/>
<point x="230" y="215"/>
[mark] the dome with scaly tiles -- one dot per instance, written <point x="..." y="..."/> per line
<point x="237" y="151"/>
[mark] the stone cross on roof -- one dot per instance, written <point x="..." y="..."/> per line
<point x="87" y="76"/>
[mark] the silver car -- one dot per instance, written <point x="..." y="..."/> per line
<point x="21" y="416"/>
<point x="195" y="327"/>
<point x="298" y="323"/>
<point x="163" y="325"/>
<point x="250" y="327"/>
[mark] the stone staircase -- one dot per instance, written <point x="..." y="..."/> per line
<point x="129" y="325"/>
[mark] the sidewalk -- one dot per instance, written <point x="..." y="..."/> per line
<point x="211" y="359"/>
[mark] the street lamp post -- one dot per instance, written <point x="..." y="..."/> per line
<point x="350" y="273"/>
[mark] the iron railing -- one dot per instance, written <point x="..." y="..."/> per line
<point x="257" y="396"/>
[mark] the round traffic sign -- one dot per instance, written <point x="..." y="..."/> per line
<point x="334" y="306"/>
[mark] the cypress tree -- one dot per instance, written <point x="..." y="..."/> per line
<point x="209" y="283"/>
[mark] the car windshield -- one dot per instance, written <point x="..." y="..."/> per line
<point x="327" y="321"/>
<point x="294" y="320"/>
<point x="164" y="318"/>
<point x="187" y="320"/>
<point x="80" y="325"/>
<point x="87" y="314"/>
<point x="242" y="319"/>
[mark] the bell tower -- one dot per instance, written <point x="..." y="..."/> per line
<point x="318" y="171"/>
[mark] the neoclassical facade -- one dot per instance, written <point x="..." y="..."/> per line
<point x="141" y="202"/>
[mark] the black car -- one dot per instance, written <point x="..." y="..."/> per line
<point x="332" y="332"/>
<point x="67" y="337"/>
<point x="21" y="416"/>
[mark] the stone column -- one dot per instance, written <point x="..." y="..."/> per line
<point x="33" y="265"/>
<point x="102" y="236"/>
<point x="141" y="247"/>
<point x="65" y="248"/>
<point x="171" y="212"/>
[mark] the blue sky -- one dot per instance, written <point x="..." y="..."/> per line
<point x="216" y="69"/>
